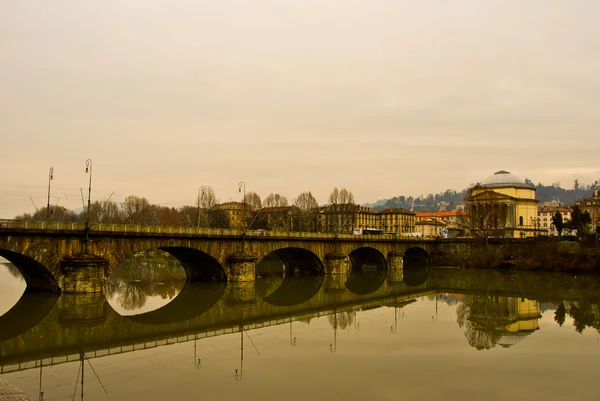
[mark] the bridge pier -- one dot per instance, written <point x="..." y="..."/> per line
<point x="242" y="267"/>
<point x="83" y="273"/>
<point x="395" y="267"/>
<point x="337" y="271"/>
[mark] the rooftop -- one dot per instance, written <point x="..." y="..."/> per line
<point x="504" y="178"/>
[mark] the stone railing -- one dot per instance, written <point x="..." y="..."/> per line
<point x="44" y="225"/>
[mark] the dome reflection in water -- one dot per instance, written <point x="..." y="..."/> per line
<point x="144" y="283"/>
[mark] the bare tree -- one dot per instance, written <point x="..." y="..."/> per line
<point x="105" y="212"/>
<point x="275" y="200"/>
<point x="136" y="210"/>
<point x="334" y="197"/>
<point x="343" y="196"/>
<point x="308" y="209"/>
<point x="252" y="201"/>
<point x="206" y="201"/>
<point x="486" y="213"/>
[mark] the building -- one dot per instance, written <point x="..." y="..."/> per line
<point x="592" y="206"/>
<point x="503" y="205"/>
<point x="343" y="218"/>
<point x="397" y="221"/>
<point x="452" y="219"/>
<point x="235" y="212"/>
<point x="430" y="227"/>
<point x="545" y="215"/>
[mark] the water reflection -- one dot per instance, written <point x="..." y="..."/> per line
<point x="223" y="319"/>
<point x="491" y="320"/>
<point x="145" y="283"/>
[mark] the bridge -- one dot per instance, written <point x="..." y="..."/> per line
<point x="55" y="328"/>
<point x="72" y="257"/>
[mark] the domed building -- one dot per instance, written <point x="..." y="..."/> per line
<point x="503" y="205"/>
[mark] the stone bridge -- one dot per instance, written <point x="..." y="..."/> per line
<point x="70" y="258"/>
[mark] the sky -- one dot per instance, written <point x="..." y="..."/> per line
<point x="382" y="97"/>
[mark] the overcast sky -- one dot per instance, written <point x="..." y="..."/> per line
<point x="383" y="97"/>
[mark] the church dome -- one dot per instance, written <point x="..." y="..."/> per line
<point x="502" y="179"/>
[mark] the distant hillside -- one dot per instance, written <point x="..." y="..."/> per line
<point x="450" y="199"/>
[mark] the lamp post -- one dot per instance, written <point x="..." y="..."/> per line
<point x="292" y="214"/>
<point x="50" y="178"/>
<point x="242" y="185"/>
<point x="201" y="194"/>
<point x="88" y="170"/>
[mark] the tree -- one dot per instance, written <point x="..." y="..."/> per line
<point x="557" y="220"/>
<point x="275" y="200"/>
<point x="218" y="219"/>
<point x="334" y="197"/>
<point x="486" y="212"/>
<point x="308" y="209"/>
<point x="252" y="201"/>
<point x="579" y="221"/>
<point x="559" y="315"/>
<point x="137" y="210"/>
<point x="206" y="201"/>
<point x="105" y="212"/>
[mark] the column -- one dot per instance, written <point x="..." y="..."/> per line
<point x="83" y="273"/>
<point x="242" y="267"/>
<point x="337" y="271"/>
<point x="395" y="267"/>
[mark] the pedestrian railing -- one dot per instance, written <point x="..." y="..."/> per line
<point x="50" y="226"/>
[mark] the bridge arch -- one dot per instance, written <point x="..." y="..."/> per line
<point x="36" y="275"/>
<point x="416" y="254"/>
<point x="198" y="265"/>
<point x="369" y="270"/>
<point x="296" y="260"/>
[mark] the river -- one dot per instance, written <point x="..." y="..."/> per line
<point x="451" y="335"/>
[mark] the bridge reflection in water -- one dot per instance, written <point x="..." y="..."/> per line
<point x="493" y="309"/>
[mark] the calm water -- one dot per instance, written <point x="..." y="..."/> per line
<point x="151" y="337"/>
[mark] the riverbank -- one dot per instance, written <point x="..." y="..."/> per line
<point x="565" y="256"/>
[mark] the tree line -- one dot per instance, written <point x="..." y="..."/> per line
<point x="299" y="215"/>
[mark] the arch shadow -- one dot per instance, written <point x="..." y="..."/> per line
<point x="37" y="276"/>
<point x="415" y="273"/>
<point x="369" y="271"/>
<point x="199" y="266"/>
<point x="298" y="260"/>
<point x="295" y="290"/>
<point x="416" y="255"/>
<point x="194" y="299"/>
<point x="28" y="312"/>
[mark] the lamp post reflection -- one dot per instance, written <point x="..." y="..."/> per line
<point x="292" y="340"/>
<point x="394" y="328"/>
<point x="242" y="185"/>
<point x="333" y="346"/>
<point x="50" y="178"/>
<point x="197" y="361"/>
<point x="238" y="374"/>
<point x="41" y="393"/>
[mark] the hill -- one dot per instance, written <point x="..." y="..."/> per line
<point x="451" y="199"/>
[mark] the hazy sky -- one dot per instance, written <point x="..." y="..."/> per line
<point x="383" y="97"/>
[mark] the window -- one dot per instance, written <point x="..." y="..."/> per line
<point x="520" y="220"/>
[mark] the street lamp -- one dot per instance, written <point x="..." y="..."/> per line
<point x="50" y="178"/>
<point x="88" y="170"/>
<point x="292" y="214"/>
<point x="201" y="194"/>
<point x="242" y="185"/>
